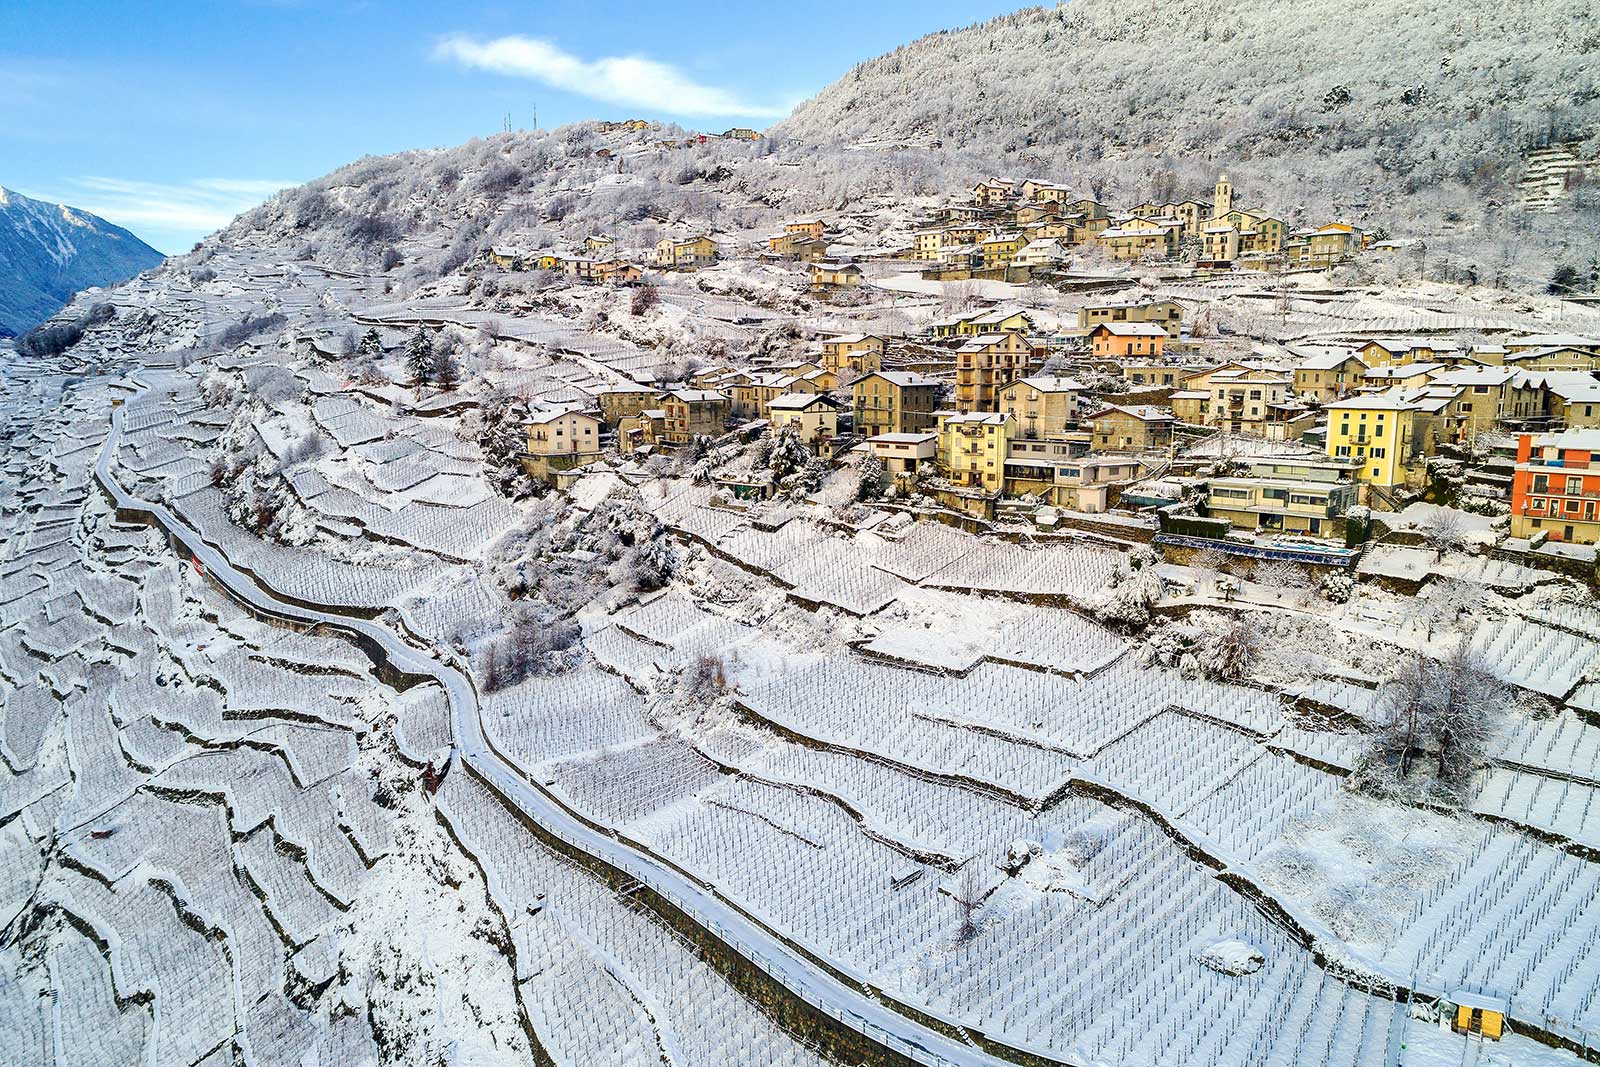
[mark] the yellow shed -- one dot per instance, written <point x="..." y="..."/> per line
<point x="1478" y="1014"/>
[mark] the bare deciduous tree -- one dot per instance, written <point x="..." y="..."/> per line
<point x="1439" y="716"/>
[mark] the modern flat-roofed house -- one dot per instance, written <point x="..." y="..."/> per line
<point x="1295" y="495"/>
<point x="904" y="454"/>
<point x="560" y="440"/>
<point x="1555" y="486"/>
<point x="1082" y="483"/>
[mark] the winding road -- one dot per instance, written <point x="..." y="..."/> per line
<point x="799" y="976"/>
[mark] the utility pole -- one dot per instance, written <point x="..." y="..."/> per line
<point x="536" y="114"/>
<point x="505" y="124"/>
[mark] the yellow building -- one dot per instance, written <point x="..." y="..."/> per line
<point x="973" y="447"/>
<point x="973" y="323"/>
<point x="992" y="191"/>
<point x="1139" y="239"/>
<point x="984" y="364"/>
<point x="893" y="402"/>
<point x="750" y="398"/>
<point x="597" y="241"/>
<point x="813" y="416"/>
<point x="998" y="250"/>
<point x="1477" y="1014"/>
<point x="853" y="353"/>
<point x="1044" y="192"/>
<point x="826" y="275"/>
<point x="1042" y="405"/>
<point x="560" y="440"/>
<point x="1380" y="433"/>
<point x="926" y="243"/>
<point x="1333" y="243"/>
<point x="1219" y="243"/>
<point x="685" y="252"/>
<point x="506" y="258"/>
<point x="811" y="227"/>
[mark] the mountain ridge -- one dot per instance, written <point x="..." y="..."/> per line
<point x="50" y="251"/>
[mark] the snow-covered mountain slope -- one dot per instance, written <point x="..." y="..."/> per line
<point x="1342" y="105"/>
<point x="50" y="251"/>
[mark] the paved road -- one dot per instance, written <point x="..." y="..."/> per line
<point x="745" y="936"/>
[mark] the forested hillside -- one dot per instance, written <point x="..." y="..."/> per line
<point x="1409" y="114"/>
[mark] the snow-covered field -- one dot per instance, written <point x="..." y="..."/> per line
<point x="1016" y="786"/>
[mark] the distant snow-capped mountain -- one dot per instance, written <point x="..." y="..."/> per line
<point x="50" y="251"/>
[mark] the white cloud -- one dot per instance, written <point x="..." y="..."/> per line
<point x="198" y="206"/>
<point x="630" y="80"/>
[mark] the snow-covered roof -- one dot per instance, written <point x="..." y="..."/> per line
<point x="1407" y="370"/>
<point x="1329" y="361"/>
<point x="799" y="401"/>
<point x="1052" y="383"/>
<point x="1389" y="400"/>
<point x="1555" y="340"/>
<point x="1581" y="438"/>
<point x="901" y="377"/>
<point x="1132" y="329"/>
<point x="1476" y="376"/>
<point x="905" y="438"/>
<point x="991" y="418"/>
<point x="1142" y="412"/>
<point x="540" y="418"/>
<point x="1573" y="386"/>
<point x="694" y="396"/>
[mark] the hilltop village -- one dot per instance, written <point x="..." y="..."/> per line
<point x="1132" y="403"/>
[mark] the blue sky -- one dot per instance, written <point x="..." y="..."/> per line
<point x="170" y="116"/>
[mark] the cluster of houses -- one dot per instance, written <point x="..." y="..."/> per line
<point x="1035" y="224"/>
<point x="595" y="263"/>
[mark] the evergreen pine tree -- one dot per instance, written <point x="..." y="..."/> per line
<point x="419" y="357"/>
<point x="371" y="346"/>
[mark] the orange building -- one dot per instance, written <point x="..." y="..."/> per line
<point x="1118" y="339"/>
<point x="1555" y="487"/>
